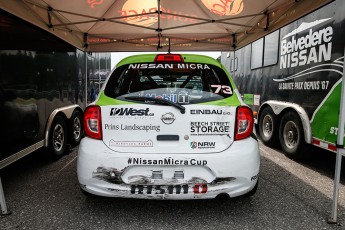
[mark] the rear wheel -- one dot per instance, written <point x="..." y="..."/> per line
<point x="58" y="138"/>
<point x="268" y="127"/>
<point x="291" y="136"/>
<point x="76" y="128"/>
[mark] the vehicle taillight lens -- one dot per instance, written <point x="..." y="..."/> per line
<point x="93" y="122"/>
<point x="168" y="58"/>
<point x="244" y="123"/>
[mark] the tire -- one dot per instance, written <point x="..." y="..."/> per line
<point x="76" y="128"/>
<point x="253" y="191"/>
<point x="269" y="128"/>
<point x="291" y="136"/>
<point x="58" y="138"/>
<point x="87" y="194"/>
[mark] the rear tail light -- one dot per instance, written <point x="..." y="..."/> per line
<point x="93" y="122"/>
<point x="168" y="58"/>
<point x="244" y="123"/>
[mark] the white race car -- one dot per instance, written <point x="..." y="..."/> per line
<point x="169" y="126"/>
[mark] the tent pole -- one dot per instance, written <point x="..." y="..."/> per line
<point x="4" y="210"/>
<point x="340" y="152"/>
<point x="85" y="53"/>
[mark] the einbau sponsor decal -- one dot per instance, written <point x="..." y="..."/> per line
<point x="205" y="111"/>
<point x="202" y="145"/>
<point x="168" y="118"/>
<point x="130" y="112"/>
<point x="209" y="111"/>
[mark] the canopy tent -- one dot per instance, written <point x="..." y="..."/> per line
<point x="165" y="25"/>
<point x="151" y="25"/>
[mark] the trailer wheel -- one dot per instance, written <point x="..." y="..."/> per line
<point x="291" y="136"/>
<point x="268" y="127"/>
<point x="58" y="138"/>
<point x="76" y="127"/>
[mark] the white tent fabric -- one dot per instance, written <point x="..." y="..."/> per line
<point x="151" y="25"/>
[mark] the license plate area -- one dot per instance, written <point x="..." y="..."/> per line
<point x="169" y="189"/>
<point x="160" y="189"/>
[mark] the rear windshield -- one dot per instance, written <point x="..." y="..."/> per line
<point x="182" y="83"/>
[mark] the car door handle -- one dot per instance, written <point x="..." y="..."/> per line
<point x="168" y="137"/>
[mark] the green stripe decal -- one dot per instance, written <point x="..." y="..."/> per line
<point x="325" y="120"/>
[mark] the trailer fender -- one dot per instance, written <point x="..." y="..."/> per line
<point x="67" y="111"/>
<point x="279" y="106"/>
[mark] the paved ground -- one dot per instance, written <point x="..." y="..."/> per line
<point x="291" y="195"/>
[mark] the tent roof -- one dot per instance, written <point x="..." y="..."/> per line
<point x="151" y="25"/>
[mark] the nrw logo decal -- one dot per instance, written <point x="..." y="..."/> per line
<point x="202" y="145"/>
<point x="194" y="144"/>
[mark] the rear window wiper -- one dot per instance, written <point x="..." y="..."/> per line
<point x="159" y="100"/>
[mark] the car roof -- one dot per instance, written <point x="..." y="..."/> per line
<point x="147" y="58"/>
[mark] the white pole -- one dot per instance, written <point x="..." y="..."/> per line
<point x="4" y="210"/>
<point x="85" y="79"/>
<point x="340" y="151"/>
<point x="99" y="72"/>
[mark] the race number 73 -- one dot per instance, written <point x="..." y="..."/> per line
<point x="222" y="88"/>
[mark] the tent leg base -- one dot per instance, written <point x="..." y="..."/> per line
<point x="4" y="210"/>
<point x="7" y="213"/>
<point x="331" y="221"/>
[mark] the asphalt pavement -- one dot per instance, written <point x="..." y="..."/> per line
<point x="292" y="195"/>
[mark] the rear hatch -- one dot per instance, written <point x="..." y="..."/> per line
<point x="168" y="106"/>
<point x="141" y="128"/>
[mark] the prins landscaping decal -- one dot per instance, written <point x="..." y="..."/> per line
<point x="307" y="46"/>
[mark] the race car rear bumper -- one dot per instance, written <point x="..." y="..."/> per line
<point x="104" y="172"/>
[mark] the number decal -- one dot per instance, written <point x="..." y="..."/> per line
<point x="222" y="88"/>
<point x="226" y="89"/>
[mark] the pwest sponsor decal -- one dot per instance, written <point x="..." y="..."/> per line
<point x="165" y="161"/>
<point x="209" y="128"/>
<point x="202" y="145"/>
<point x="167" y="189"/>
<point x="130" y="112"/>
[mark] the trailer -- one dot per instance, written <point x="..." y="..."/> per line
<point x="291" y="77"/>
<point x="45" y="84"/>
